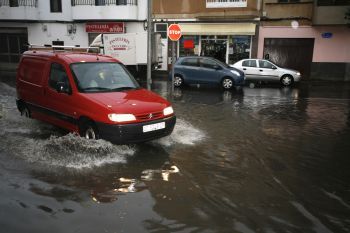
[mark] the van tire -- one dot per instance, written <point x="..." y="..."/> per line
<point x="25" y="112"/>
<point x="88" y="130"/>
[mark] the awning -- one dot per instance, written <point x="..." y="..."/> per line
<point x="218" y="29"/>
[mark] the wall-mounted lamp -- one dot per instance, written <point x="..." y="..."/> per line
<point x="71" y="28"/>
<point x="44" y="28"/>
<point x="145" y="25"/>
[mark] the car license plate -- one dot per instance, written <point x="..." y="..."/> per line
<point x="153" y="127"/>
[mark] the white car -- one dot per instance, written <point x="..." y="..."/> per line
<point x="266" y="71"/>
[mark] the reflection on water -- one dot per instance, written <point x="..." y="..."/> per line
<point x="265" y="159"/>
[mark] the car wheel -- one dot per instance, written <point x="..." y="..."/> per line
<point x="227" y="83"/>
<point x="88" y="130"/>
<point x="287" y="80"/>
<point x="25" y="112"/>
<point x="178" y="80"/>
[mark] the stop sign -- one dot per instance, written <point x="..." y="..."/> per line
<point x="174" y="32"/>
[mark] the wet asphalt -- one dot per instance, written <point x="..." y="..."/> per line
<point x="263" y="159"/>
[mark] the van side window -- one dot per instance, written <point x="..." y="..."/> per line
<point x="57" y="75"/>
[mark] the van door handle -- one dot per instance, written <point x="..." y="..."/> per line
<point x="261" y="70"/>
<point x="244" y="68"/>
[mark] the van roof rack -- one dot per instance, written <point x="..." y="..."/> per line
<point x="61" y="47"/>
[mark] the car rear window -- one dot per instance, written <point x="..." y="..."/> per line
<point x="249" y="63"/>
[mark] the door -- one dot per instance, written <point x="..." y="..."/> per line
<point x="190" y="70"/>
<point x="293" y="53"/>
<point x="60" y="105"/>
<point x="251" y="70"/>
<point x="267" y="71"/>
<point x="209" y="71"/>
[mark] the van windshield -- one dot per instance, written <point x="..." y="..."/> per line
<point x="102" y="77"/>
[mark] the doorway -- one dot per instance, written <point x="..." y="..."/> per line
<point x="294" y="53"/>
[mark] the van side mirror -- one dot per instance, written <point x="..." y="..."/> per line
<point x="62" y="87"/>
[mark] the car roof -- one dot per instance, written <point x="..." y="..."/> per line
<point x="70" y="57"/>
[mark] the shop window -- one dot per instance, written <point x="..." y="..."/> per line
<point x="189" y="45"/>
<point x="239" y="48"/>
<point x="55" y="6"/>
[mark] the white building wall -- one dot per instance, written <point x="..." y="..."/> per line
<point x="19" y="13"/>
<point x="57" y="31"/>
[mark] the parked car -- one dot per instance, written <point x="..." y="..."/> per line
<point x="93" y="95"/>
<point x="206" y="70"/>
<point x="266" y="71"/>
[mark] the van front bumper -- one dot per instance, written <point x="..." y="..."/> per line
<point x="133" y="133"/>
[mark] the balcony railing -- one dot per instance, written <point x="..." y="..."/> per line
<point x="104" y="2"/>
<point x="17" y="3"/>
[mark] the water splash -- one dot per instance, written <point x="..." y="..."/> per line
<point x="184" y="133"/>
<point x="72" y="151"/>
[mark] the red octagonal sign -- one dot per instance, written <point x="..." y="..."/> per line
<point x="174" y="32"/>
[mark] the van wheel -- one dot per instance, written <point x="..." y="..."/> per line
<point x="227" y="83"/>
<point x="287" y="80"/>
<point x="25" y="112"/>
<point x="178" y="80"/>
<point x="88" y="130"/>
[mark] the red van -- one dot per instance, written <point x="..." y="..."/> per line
<point x="93" y="95"/>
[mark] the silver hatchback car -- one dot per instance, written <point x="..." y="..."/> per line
<point x="266" y="71"/>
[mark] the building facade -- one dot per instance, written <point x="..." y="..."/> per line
<point x="310" y="36"/>
<point x="226" y="30"/>
<point x="63" y="22"/>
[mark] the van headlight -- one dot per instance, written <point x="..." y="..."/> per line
<point x="298" y="73"/>
<point x="235" y="73"/>
<point x="168" y="111"/>
<point x="121" y="117"/>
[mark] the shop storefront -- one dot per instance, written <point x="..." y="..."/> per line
<point x="226" y="42"/>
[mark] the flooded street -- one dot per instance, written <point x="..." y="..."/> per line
<point x="263" y="159"/>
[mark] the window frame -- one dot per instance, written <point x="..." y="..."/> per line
<point x="53" y="5"/>
<point x="69" y="87"/>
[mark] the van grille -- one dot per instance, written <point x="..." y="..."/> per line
<point x="149" y="116"/>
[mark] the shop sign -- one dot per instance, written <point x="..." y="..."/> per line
<point x="327" y="35"/>
<point x="106" y="27"/>
<point x="188" y="44"/>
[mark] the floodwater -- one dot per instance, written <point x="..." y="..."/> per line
<point x="263" y="159"/>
